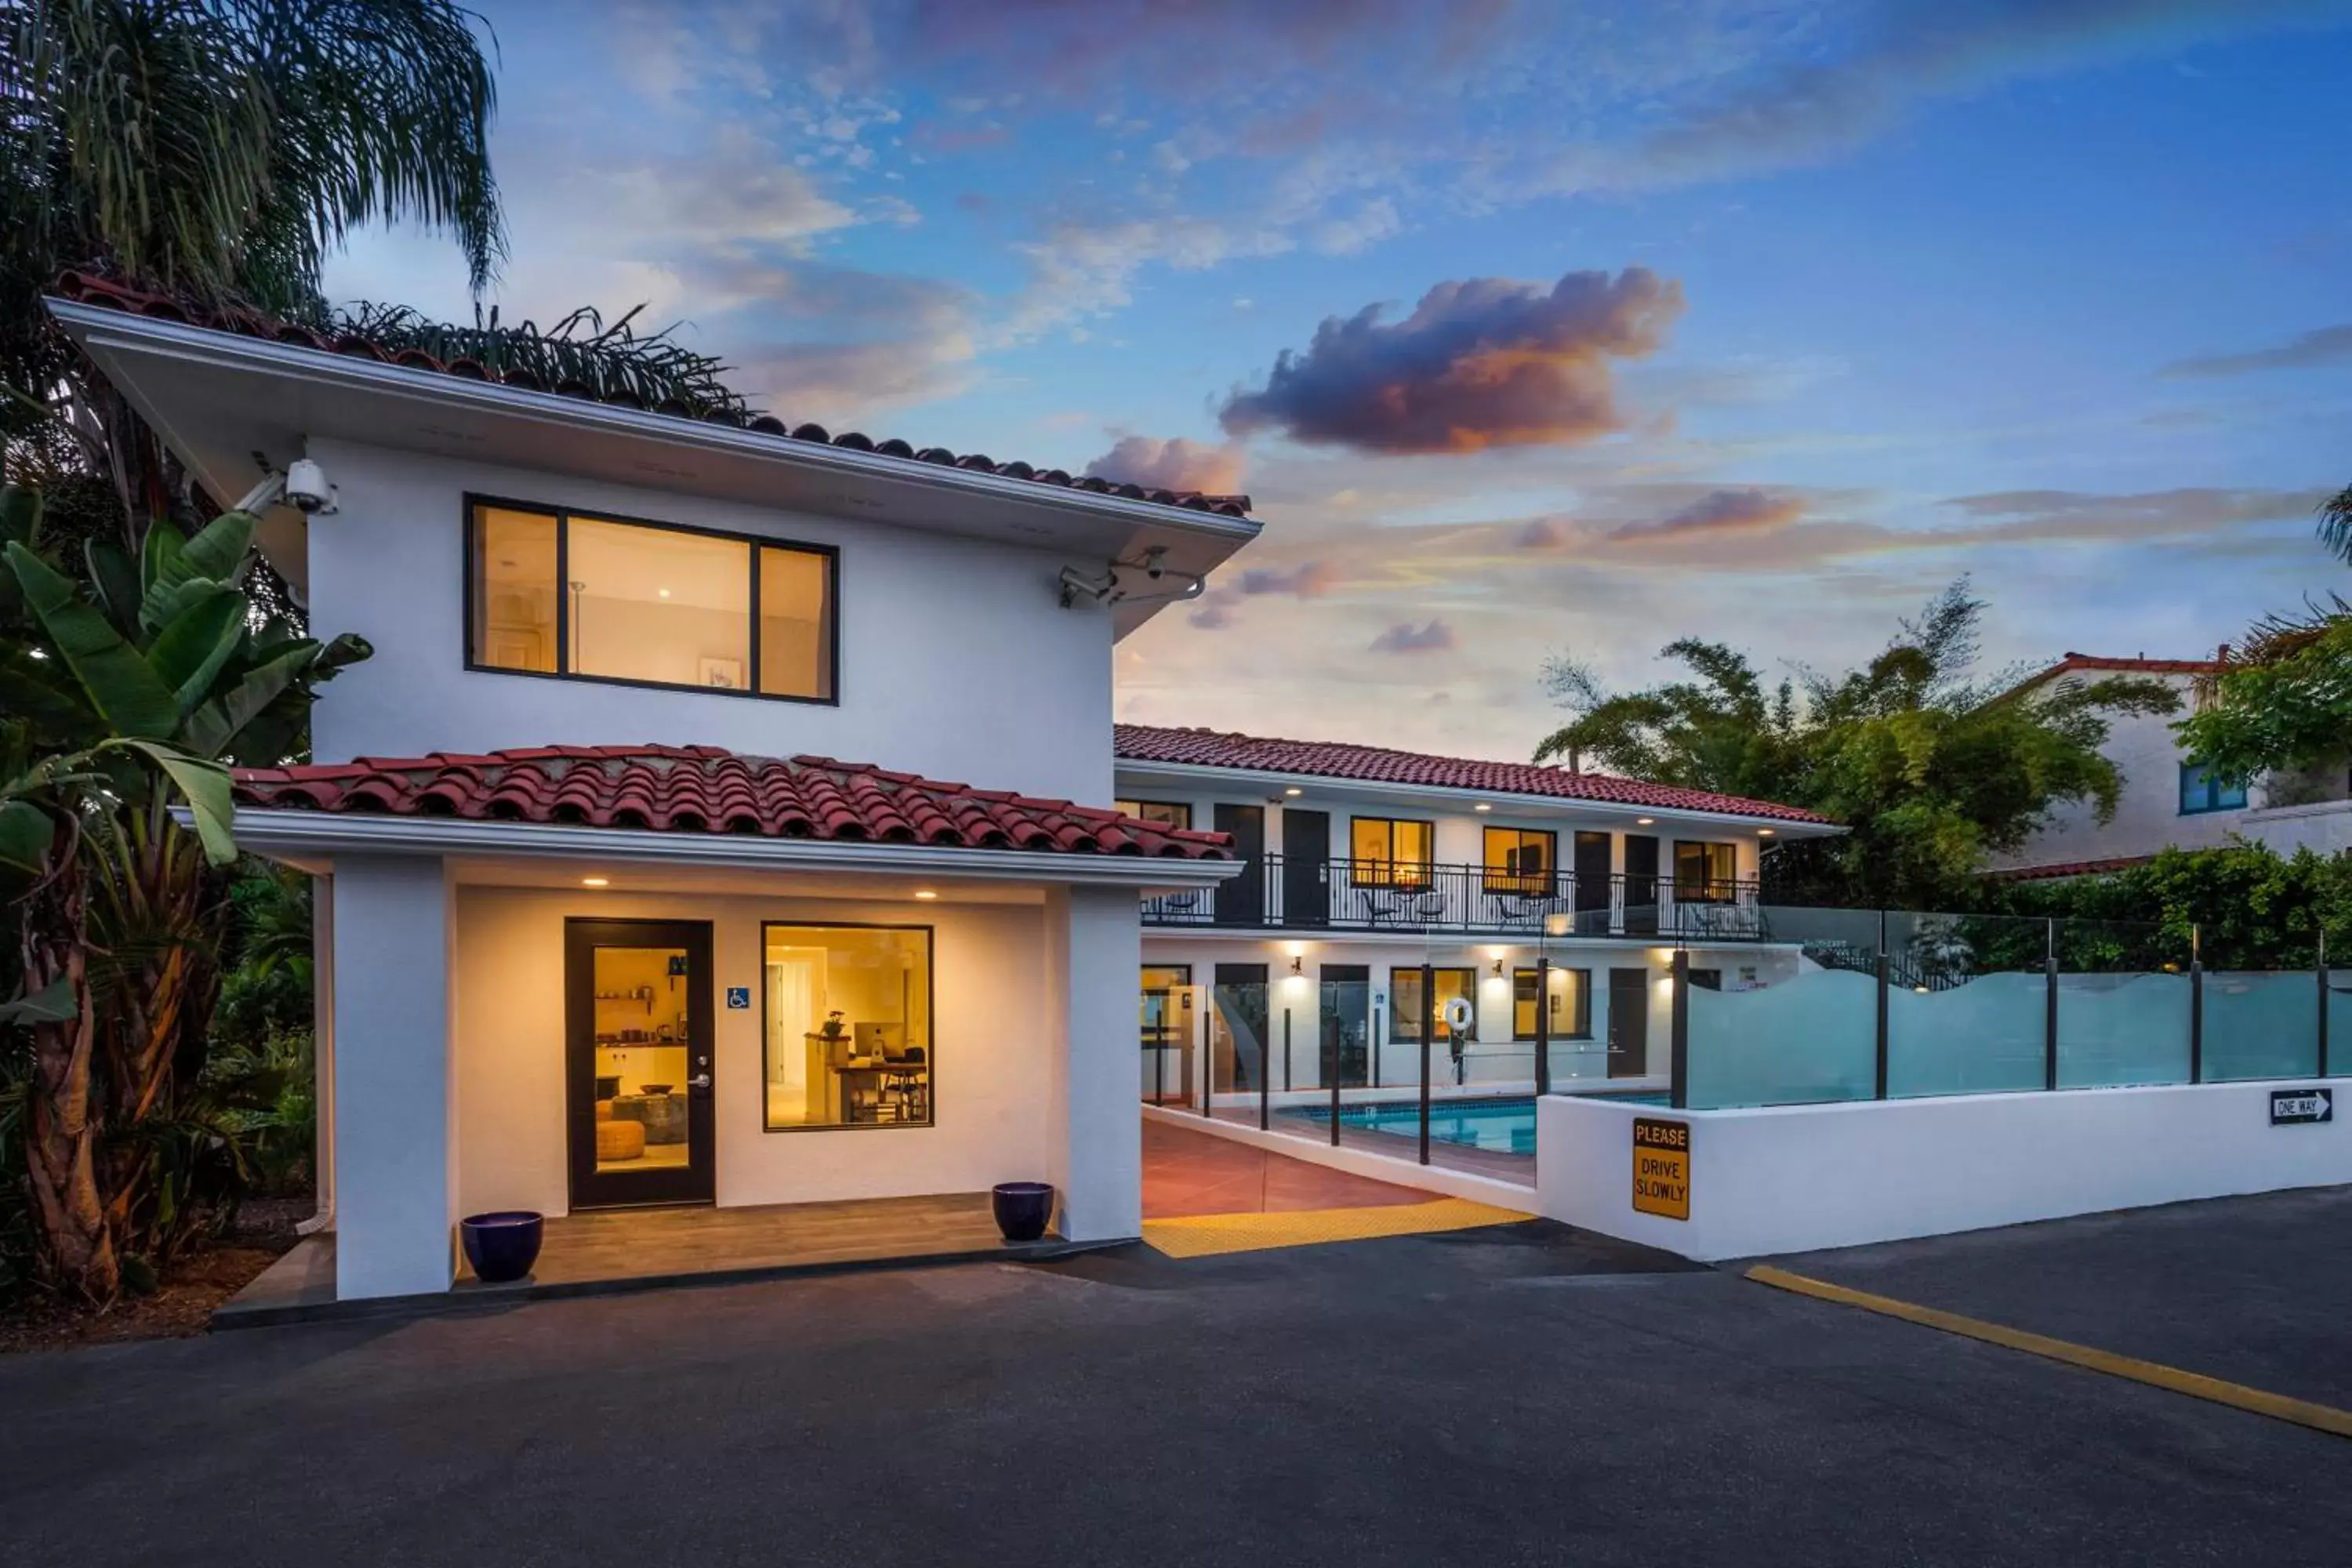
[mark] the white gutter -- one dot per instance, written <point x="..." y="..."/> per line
<point x="209" y="345"/>
<point x="1246" y="778"/>
<point x="301" y="832"/>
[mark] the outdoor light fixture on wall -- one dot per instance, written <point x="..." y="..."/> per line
<point x="1298" y="967"/>
<point x="1111" y="588"/>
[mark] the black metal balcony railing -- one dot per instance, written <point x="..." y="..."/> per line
<point x="1289" y="893"/>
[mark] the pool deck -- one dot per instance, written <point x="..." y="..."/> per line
<point x="1495" y="1163"/>
<point x="1188" y="1173"/>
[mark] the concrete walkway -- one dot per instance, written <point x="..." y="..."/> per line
<point x="1187" y="1174"/>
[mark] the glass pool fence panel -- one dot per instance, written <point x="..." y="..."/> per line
<point x="1238" y="1025"/>
<point x="2124" y="1015"/>
<point x="1793" y="1024"/>
<point x="1968" y="1004"/>
<point x="1169" y="1035"/>
<point x="2260" y="1023"/>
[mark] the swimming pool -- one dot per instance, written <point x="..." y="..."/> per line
<point x="1506" y="1126"/>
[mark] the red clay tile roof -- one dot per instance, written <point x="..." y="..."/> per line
<point x="83" y="289"/>
<point x="703" y="789"/>
<point x="1213" y="749"/>
<point x="2074" y="661"/>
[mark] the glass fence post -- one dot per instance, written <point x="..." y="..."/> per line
<point x="1543" y="1024"/>
<point x="2050" y="1009"/>
<point x="1880" y="1092"/>
<point x="2323" y="1003"/>
<point x="1334" y="1071"/>
<point x="2196" y="1008"/>
<point x="1678" y="1063"/>
<point x="1428" y="1011"/>
<point x="1265" y="1077"/>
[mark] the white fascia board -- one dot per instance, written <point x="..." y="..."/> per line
<point x="97" y="326"/>
<point x="289" y="833"/>
<point x="1275" y="782"/>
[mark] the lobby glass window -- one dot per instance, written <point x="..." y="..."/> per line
<point x="1705" y="873"/>
<point x="1520" y="859"/>
<point x="1167" y="813"/>
<point x="1389" y="852"/>
<point x="2201" y="791"/>
<point x="1572" y="1004"/>
<point x="1406" y="1011"/>
<point x="848" y="1025"/>
<point x="555" y="593"/>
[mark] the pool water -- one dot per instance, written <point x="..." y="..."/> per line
<point x="1506" y="1126"/>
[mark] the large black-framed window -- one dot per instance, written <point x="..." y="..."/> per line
<point x="1166" y="812"/>
<point x="551" y="591"/>
<point x="846" y="1029"/>
<point x="1571" y="1004"/>
<point x="1705" y="873"/>
<point x="1520" y="859"/>
<point x="1405" y="1008"/>
<point x="2201" y="792"/>
<point x="1390" y="851"/>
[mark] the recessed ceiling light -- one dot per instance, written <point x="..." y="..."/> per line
<point x="925" y="893"/>
<point x="595" y="881"/>
<point x="1763" y="833"/>
<point x="663" y="592"/>
<point x="1644" y="821"/>
<point x="1293" y="791"/>
<point x="1481" y="805"/>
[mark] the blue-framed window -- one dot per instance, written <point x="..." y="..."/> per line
<point x="2201" y="791"/>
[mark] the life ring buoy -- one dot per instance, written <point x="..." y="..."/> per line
<point x="1458" y="1014"/>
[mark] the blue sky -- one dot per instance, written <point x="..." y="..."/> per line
<point x="1752" y="319"/>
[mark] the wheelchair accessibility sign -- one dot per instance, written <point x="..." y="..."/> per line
<point x="738" y="998"/>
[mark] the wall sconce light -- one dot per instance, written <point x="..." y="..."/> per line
<point x="1498" y="969"/>
<point x="1297" y="966"/>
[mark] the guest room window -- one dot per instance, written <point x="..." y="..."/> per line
<point x="1166" y="812"/>
<point x="596" y="598"/>
<point x="1405" y="1010"/>
<point x="847" y="1021"/>
<point x="1705" y="873"/>
<point x="1389" y="852"/>
<point x="1519" y="860"/>
<point x="2201" y="792"/>
<point x="1572" y="1004"/>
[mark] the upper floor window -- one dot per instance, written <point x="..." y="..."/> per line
<point x="1705" y="873"/>
<point x="1166" y="812"/>
<point x="1520" y="859"/>
<point x="2201" y="791"/>
<point x="560" y="592"/>
<point x="1388" y="852"/>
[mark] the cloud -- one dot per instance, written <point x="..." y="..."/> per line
<point x="2320" y="346"/>
<point x="836" y="343"/>
<point x="1483" y="363"/>
<point x="1216" y="610"/>
<point x="1405" y="637"/>
<point x="1173" y="465"/>
<point x="1749" y="511"/>
<point x="1308" y="580"/>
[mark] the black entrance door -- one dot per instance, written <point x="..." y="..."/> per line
<point x="1592" y="877"/>
<point x="1238" y="1028"/>
<point x="1241" y="900"/>
<point x="1629" y="1023"/>
<point x="637" y="1029"/>
<point x="1305" y="867"/>
<point x="1641" y="884"/>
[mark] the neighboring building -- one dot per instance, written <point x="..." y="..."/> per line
<point x="1545" y="900"/>
<point x="591" y="887"/>
<point x="2169" y="801"/>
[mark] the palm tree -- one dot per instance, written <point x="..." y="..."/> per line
<point x="218" y="150"/>
<point x="2335" y="525"/>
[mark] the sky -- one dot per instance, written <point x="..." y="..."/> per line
<point x="1532" y="329"/>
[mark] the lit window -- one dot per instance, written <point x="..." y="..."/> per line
<point x="1406" y="1012"/>
<point x="1705" y="873"/>
<point x="1519" y="860"/>
<point x="557" y="594"/>
<point x="848" y="1025"/>
<point x="1570" y="1013"/>
<point x="1389" y="853"/>
<point x="2201" y="791"/>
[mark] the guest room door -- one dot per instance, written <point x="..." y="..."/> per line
<point x="637" y="1028"/>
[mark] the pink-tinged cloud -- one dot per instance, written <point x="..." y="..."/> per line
<point x="1406" y="638"/>
<point x="1215" y="611"/>
<point x="1171" y="464"/>
<point x="1483" y="363"/>
<point x="1749" y="511"/>
<point x="1308" y="580"/>
<point x="1541" y="534"/>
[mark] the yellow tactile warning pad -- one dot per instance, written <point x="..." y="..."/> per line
<point x="1204" y="1236"/>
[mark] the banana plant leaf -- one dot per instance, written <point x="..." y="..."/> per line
<point x="189" y="652"/>
<point x="25" y="833"/>
<point x="53" y="1003"/>
<point x="127" y="693"/>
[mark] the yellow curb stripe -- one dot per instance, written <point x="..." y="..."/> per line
<point x="1206" y="1235"/>
<point x="2302" y="1412"/>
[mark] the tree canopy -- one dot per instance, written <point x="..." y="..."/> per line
<point x="1930" y="769"/>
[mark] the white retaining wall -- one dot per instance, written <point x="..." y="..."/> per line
<point x="1792" y="1178"/>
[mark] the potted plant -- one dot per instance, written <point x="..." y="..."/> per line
<point x="831" y="1026"/>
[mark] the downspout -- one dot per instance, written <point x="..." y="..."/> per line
<point x="322" y="1054"/>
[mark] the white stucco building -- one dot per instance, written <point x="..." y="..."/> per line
<point x="2169" y="802"/>
<point x="602" y="922"/>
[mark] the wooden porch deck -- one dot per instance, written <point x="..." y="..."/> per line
<point x="611" y="1250"/>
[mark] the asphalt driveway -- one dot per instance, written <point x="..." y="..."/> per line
<point x="1521" y="1395"/>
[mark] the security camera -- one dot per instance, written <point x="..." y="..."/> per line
<point x="306" y="487"/>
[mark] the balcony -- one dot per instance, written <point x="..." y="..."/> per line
<point x="1297" y="895"/>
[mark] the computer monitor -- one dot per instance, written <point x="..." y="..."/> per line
<point x="881" y="1039"/>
